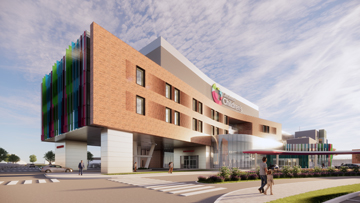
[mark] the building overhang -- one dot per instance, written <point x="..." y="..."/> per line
<point x="282" y="152"/>
<point x="88" y="134"/>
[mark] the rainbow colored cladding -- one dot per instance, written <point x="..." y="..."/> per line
<point x="65" y="91"/>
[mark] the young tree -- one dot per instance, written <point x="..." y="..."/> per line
<point x="33" y="158"/>
<point x="3" y="154"/>
<point x="13" y="158"/>
<point x="89" y="157"/>
<point x="49" y="156"/>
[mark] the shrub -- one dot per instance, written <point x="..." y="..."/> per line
<point x="343" y="169"/>
<point x="286" y="170"/>
<point x="341" y="173"/>
<point x="257" y="170"/>
<point x="317" y="169"/>
<point x="356" y="170"/>
<point x="276" y="175"/>
<point x="335" y="174"/>
<point x="290" y="175"/>
<point x="311" y="174"/>
<point x="244" y="177"/>
<point x="324" y="174"/>
<point x="304" y="175"/>
<point x="235" y="178"/>
<point x="331" y="169"/>
<point x="220" y="179"/>
<point x="282" y="175"/>
<point x="253" y="176"/>
<point x="225" y="172"/>
<point x="212" y="179"/>
<point x="317" y="174"/>
<point x="201" y="179"/>
<point x="235" y="172"/>
<point x="296" y="170"/>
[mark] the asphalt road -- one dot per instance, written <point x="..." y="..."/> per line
<point x="103" y="190"/>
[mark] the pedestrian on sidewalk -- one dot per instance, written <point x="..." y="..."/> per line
<point x="81" y="167"/>
<point x="135" y="166"/>
<point x="171" y="167"/>
<point x="270" y="182"/>
<point x="262" y="173"/>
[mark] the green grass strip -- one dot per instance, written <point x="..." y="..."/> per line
<point x="320" y="195"/>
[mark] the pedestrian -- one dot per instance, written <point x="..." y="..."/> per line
<point x="262" y="173"/>
<point x="171" y="167"/>
<point x="270" y="182"/>
<point x="81" y="167"/>
<point x="323" y="165"/>
<point x="135" y="166"/>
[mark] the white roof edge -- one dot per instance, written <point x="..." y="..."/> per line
<point x="160" y="41"/>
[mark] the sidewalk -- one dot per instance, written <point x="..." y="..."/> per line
<point x="98" y="175"/>
<point x="252" y="195"/>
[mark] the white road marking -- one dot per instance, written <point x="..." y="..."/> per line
<point x="192" y="189"/>
<point x="41" y="181"/>
<point x="163" y="185"/>
<point x="27" y="182"/>
<point x="203" y="191"/>
<point x="54" y="180"/>
<point x="1" y="182"/>
<point x="175" y="188"/>
<point x="13" y="182"/>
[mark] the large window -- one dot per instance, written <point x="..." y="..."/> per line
<point x="140" y="105"/>
<point x="168" y="115"/>
<point x="212" y="114"/>
<point x="194" y="124"/>
<point x="194" y="104"/>
<point x="226" y="120"/>
<point x="226" y="132"/>
<point x="176" y="118"/>
<point x="176" y="95"/>
<point x="216" y="116"/>
<point x="168" y="91"/>
<point x="266" y="129"/>
<point x="200" y="108"/>
<point x="140" y="76"/>
<point x="200" y="126"/>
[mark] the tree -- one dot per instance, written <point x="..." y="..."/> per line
<point x="89" y="157"/>
<point x="13" y="158"/>
<point x="3" y="154"/>
<point x="7" y="158"/>
<point x="49" y="156"/>
<point x="33" y="158"/>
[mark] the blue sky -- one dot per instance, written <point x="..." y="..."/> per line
<point x="299" y="61"/>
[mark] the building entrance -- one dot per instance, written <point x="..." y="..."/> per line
<point x="189" y="161"/>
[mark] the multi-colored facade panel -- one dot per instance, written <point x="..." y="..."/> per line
<point x="65" y="91"/>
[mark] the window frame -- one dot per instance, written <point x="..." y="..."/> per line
<point x="200" y="126"/>
<point x="143" y="105"/>
<point x="143" y="79"/>
<point x="200" y="108"/>
<point x="177" y="118"/>
<point x="170" y="93"/>
<point x="212" y="114"/>
<point x="226" y="119"/>
<point x="177" y="95"/>
<point x="194" y="104"/>
<point x="166" y="114"/>
<point x="194" y="124"/>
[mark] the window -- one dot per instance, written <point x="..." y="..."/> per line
<point x="226" y="131"/>
<point x="194" y="124"/>
<point x="216" y="117"/>
<point x="140" y="105"/>
<point x="266" y="129"/>
<point x="212" y="130"/>
<point x="200" y="108"/>
<point x="226" y="120"/>
<point x="212" y="114"/>
<point x="194" y="104"/>
<point x="217" y="131"/>
<point x="140" y="76"/>
<point x="168" y="91"/>
<point x="168" y="115"/>
<point x="177" y="118"/>
<point x="200" y="127"/>
<point x="177" y="95"/>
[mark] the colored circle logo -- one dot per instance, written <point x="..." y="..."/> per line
<point x="216" y="94"/>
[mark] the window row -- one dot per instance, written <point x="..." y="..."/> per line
<point x="197" y="125"/>
<point x="197" y="106"/>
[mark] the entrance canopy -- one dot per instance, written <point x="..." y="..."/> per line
<point x="282" y="152"/>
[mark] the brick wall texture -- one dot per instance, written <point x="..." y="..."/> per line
<point x="114" y="91"/>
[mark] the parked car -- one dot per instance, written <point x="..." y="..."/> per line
<point x="273" y="167"/>
<point x="31" y="165"/>
<point x="55" y="168"/>
<point x="350" y="166"/>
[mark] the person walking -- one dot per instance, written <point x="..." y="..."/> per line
<point x="135" y="166"/>
<point x="171" y="167"/>
<point x="81" y="167"/>
<point x="270" y="182"/>
<point x="262" y="173"/>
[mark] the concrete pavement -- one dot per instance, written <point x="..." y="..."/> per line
<point x="252" y="195"/>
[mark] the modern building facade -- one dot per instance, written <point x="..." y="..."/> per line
<point x="150" y="106"/>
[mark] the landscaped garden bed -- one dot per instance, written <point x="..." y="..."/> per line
<point x="235" y="175"/>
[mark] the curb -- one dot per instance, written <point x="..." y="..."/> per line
<point x="343" y="198"/>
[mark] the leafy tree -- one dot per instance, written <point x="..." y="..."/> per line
<point x="7" y="158"/>
<point x="32" y="158"/>
<point x="49" y="156"/>
<point x="89" y="157"/>
<point x="3" y="154"/>
<point x="13" y="158"/>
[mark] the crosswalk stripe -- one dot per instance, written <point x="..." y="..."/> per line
<point x="163" y="185"/>
<point x="168" y="186"/>
<point x="194" y="186"/>
<point x="1" y="182"/>
<point x="175" y="188"/>
<point x="12" y="182"/>
<point x="192" y="189"/>
<point x="42" y="181"/>
<point x="54" y="180"/>
<point x="202" y="191"/>
<point x="27" y="182"/>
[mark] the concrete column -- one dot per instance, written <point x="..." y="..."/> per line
<point x="116" y="151"/>
<point x="277" y="159"/>
<point x="70" y="153"/>
<point x="255" y="160"/>
<point x="135" y="153"/>
<point x="316" y="161"/>
<point x="150" y="155"/>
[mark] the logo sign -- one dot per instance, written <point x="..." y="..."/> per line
<point x="221" y="98"/>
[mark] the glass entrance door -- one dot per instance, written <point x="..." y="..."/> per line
<point x="189" y="161"/>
